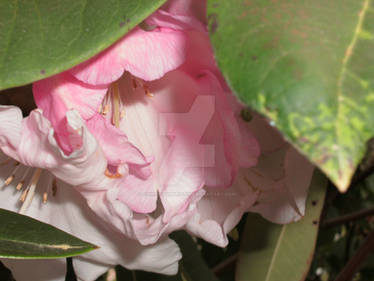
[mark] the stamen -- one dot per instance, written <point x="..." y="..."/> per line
<point x="49" y="185"/>
<point x="30" y="191"/>
<point x="22" y="181"/>
<point x="147" y="91"/>
<point x="105" y="110"/>
<point x="9" y="180"/>
<point x="111" y="175"/>
<point x="123" y="113"/>
<point x="254" y="189"/>
<point x="116" y="102"/>
<point x="45" y="197"/>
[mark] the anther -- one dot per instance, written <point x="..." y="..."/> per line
<point x="105" y="109"/>
<point x="48" y="189"/>
<point x="147" y="91"/>
<point x="111" y="175"/>
<point x="22" y="181"/>
<point x="9" y="180"/>
<point x="45" y="197"/>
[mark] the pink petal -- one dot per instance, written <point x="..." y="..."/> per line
<point x="10" y="128"/>
<point x="145" y="54"/>
<point x="60" y="93"/>
<point x="190" y="8"/>
<point x="117" y="149"/>
<point x="219" y="211"/>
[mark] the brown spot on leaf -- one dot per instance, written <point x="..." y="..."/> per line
<point x="314" y="202"/>
<point x="42" y="72"/>
<point x="315" y="222"/>
<point x="254" y="58"/>
<point x="323" y="159"/>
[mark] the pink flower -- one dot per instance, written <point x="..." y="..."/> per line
<point x="276" y="188"/>
<point x="37" y="179"/>
<point x="158" y="107"/>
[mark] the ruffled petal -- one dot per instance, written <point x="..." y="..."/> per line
<point x="282" y="178"/>
<point x="117" y="149"/>
<point x="67" y="210"/>
<point x="60" y="93"/>
<point x="219" y="211"/>
<point x="11" y="127"/>
<point x="86" y="270"/>
<point x="145" y="54"/>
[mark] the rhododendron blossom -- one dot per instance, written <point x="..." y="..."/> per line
<point x="36" y="178"/>
<point x="162" y="119"/>
<point x="146" y="138"/>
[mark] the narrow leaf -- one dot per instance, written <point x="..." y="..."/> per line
<point x="40" y="38"/>
<point x="307" y="65"/>
<point x="26" y="238"/>
<point x="271" y="252"/>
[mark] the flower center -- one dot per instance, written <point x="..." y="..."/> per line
<point x="27" y="180"/>
<point x="113" y="101"/>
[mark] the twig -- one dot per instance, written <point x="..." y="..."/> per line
<point x="359" y="257"/>
<point x="347" y="218"/>
<point x="227" y="263"/>
<point x="361" y="176"/>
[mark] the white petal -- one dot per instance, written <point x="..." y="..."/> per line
<point x="87" y="270"/>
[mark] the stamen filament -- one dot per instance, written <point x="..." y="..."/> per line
<point x="9" y="180"/>
<point x="116" y="105"/>
<point x="22" y="181"/>
<point x="30" y="191"/>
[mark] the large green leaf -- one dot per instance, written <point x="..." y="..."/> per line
<point x="271" y="252"/>
<point x="26" y="238"/>
<point x="43" y="37"/>
<point x="309" y="66"/>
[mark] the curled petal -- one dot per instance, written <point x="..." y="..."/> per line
<point x="58" y="94"/>
<point x="219" y="211"/>
<point x="145" y="54"/>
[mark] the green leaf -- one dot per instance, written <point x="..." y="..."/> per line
<point x="26" y="238"/>
<point x="192" y="267"/>
<point x="272" y="252"/>
<point x="43" y="37"/>
<point x="307" y="65"/>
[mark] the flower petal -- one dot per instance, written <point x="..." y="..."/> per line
<point x="219" y="211"/>
<point x="58" y="94"/>
<point x="145" y="54"/>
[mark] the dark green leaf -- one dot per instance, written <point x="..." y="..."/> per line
<point x="43" y="37"/>
<point x="272" y="252"/>
<point x="307" y="65"/>
<point x="26" y="238"/>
